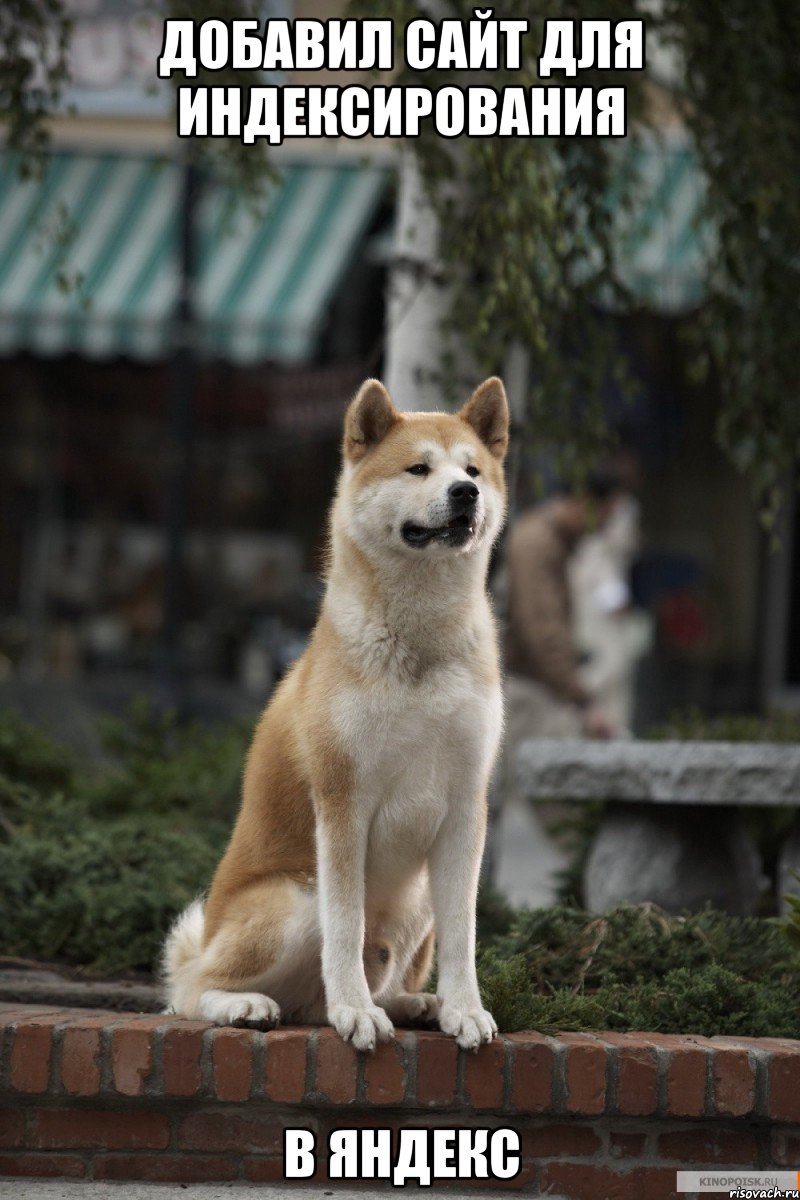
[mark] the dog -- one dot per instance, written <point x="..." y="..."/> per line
<point x="363" y="812"/>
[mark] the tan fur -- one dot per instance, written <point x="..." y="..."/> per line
<point x="301" y="782"/>
<point x="418" y="973"/>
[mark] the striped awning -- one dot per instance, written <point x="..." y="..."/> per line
<point x="663" y="245"/>
<point x="89" y="258"/>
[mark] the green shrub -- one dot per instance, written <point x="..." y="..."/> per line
<point x="95" y="863"/>
<point x="160" y="765"/>
<point x="30" y="756"/>
<point x="567" y="947"/>
<point x="100" y="894"/>
<point x="692" y="725"/>
<point x="637" y="968"/>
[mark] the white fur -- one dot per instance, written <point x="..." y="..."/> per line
<point x="423" y="731"/>
<point x="239" y="1008"/>
<point x="184" y="942"/>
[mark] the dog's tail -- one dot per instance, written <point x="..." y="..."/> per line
<point x="180" y="959"/>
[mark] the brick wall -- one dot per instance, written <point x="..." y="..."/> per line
<point x="104" y="1095"/>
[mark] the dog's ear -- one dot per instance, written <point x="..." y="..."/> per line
<point x="369" y="418"/>
<point x="487" y="412"/>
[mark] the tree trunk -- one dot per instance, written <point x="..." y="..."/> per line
<point x="418" y="298"/>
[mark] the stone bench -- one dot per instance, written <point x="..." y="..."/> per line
<point x="672" y="832"/>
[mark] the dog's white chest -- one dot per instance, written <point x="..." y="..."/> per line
<point x="415" y="750"/>
<point x="392" y="731"/>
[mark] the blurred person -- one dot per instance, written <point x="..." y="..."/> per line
<point x="547" y="695"/>
<point x="611" y="634"/>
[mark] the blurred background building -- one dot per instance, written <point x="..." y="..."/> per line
<point x="175" y="364"/>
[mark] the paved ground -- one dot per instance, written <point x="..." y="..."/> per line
<point x="527" y="858"/>
<point x="24" y="1189"/>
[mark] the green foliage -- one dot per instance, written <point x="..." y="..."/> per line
<point x="567" y="947"/>
<point x="34" y="44"/>
<point x="742" y="105"/>
<point x="96" y="861"/>
<point x="30" y="755"/>
<point x="791" y="925"/>
<point x="247" y="167"/>
<point x="99" y="894"/>
<point x="34" y="34"/>
<point x="175" y="769"/>
<point x="506" y="991"/>
<point x="518" y="216"/>
<point x="526" y="243"/>
<point x="574" y="828"/>
<point x="495" y="915"/>
<point x="692" y="725"/>
<point x="637" y="968"/>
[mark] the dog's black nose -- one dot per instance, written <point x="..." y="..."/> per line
<point x="462" y="494"/>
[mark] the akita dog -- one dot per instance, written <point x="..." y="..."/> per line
<point x="364" y="799"/>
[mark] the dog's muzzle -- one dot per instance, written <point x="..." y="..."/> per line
<point x="462" y="498"/>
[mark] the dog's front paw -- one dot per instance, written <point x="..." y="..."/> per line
<point x="469" y="1026"/>
<point x="361" y="1026"/>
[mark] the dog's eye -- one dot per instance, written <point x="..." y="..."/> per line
<point x="472" y="471"/>
<point x="419" y="469"/>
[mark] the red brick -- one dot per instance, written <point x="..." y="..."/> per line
<point x="264" y="1170"/>
<point x="215" y="1131"/>
<point x="232" y="1063"/>
<point x="637" y="1074"/>
<point x="581" y="1181"/>
<point x="182" y="1050"/>
<point x="437" y="1062"/>
<point x="73" y="1129"/>
<point x="132" y="1055"/>
<point x="709" y="1147"/>
<point x="687" y="1071"/>
<point x="484" y="1071"/>
<point x="285" y="1078"/>
<point x="553" y="1141"/>
<point x="12" y="1128"/>
<point x="585" y="1074"/>
<point x="784" y="1085"/>
<point x="166" y="1168"/>
<point x="80" y="1017"/>
<point x="80" y="1061"/>
<point x="31" y="1054"/>
<point x="91" y="1019"/>
<point x="385" y="1073"/>
<point x="734" y="1083"/>
<point x="626" y="1145"/>
<point x="658" y="1183"/>
<point x="523" y="1181"/>
<point x="42" y="1166"/>
<point x="10" y="1012"/>
<point x="377" y="1119"/>
<point x="532" y="1059"/>
<point x="773" y="1045"/>
<point x="337" y="1066"/>
<point x="785" y="1148"/>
